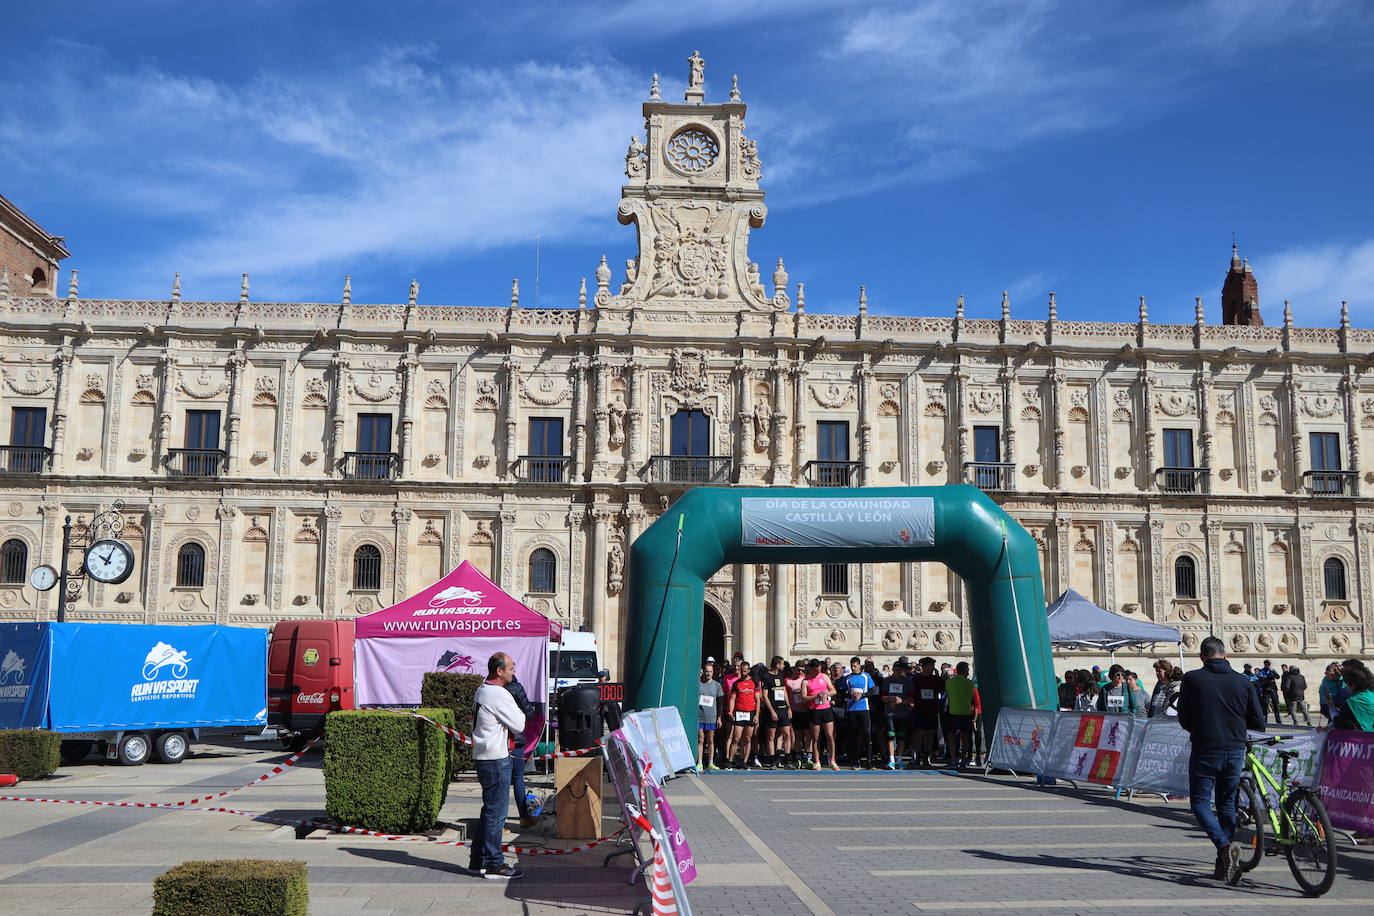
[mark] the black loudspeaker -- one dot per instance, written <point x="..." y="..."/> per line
<point x="579" y="717"/>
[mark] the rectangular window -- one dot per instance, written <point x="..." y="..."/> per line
<point x="374" y="432"/>
<point x="835" y="578"/>
<point x="690" y="433"/>
<point x="1326" y="451"/>
<point x="832" y="440"/>
<point x="202" y="429"/>
<point x="27" y="426"/>
<point x="1178" y="448"/>
<point x="546" y="437"/>
<point x="987" y="446"/>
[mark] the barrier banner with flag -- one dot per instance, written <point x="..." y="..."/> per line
<point x="1347" y="779"/>
<point x="1088" y="747"/>
<point x="1019" y="738"/>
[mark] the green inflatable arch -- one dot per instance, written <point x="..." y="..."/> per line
<point x="956" y="525"/>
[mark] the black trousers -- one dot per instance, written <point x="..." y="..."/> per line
<point x="860" y="735"/>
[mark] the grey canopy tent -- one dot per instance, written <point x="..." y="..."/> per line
<point x="1077" y="623"/>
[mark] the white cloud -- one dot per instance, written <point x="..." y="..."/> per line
<point x="1317" y="279"/>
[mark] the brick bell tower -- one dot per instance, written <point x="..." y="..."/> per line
<point x="1240" y="293"/>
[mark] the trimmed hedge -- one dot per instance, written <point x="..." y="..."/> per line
<point x="232" y="887"/>
<point x="456" y="692"/>
<point x="30" y="753"/>
<point x="386" y="771"/>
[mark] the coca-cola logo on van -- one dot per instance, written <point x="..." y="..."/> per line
<point x="312" y="698"/>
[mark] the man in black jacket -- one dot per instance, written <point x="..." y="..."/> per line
<point x="517" y="756"/>
<point x="1215" y="706"/>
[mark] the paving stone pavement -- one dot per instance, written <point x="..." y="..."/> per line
<point x="764" y="842"/>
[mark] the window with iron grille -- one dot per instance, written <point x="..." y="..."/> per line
<point x="367" y="568"/>
<point x="834" y="578"/>
<point x="191" y="566"/>
<point x="543" y="571"/>
<point x="1185" y="577"/>
<point x="14" y="560"/>
<point x="1333" y="576"/>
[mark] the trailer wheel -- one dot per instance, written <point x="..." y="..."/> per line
<point x="172" y="747"/>
<point x="134" y="749"/>
<point x="76" y="751"/>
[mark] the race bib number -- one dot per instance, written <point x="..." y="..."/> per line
<point x="1116" y="703"/>
<point x="779" y="695"/>
<point x="742" y="716"/>
<point x="927" y="694"/>
<point x="707" y="702"/>
<point x="895" y="689"/>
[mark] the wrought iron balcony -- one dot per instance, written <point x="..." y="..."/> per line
<point x="370" y="465"/>
<point x="1183" y="480"/>
<point x="690" y="469"/>
<point x="990" y="475"/>
<point x="1330" y="483"/>
<point x="196" y="462"/>
<point x="542" y="468"/>
<point x="24" y="459"/>
<point x="832" y="473"/>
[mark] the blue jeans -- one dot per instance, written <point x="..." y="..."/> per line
<point x="517" y="782"/>
<point x="1213" y="774"/>
<point x="494" y="777"/>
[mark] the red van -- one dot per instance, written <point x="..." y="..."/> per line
<point x="309" y="674"/>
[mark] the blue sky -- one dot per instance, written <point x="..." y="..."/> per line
<point x="924" y="149"/>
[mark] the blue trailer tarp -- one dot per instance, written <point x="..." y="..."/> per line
<point x="103" y="676"/>
<point x="25" y="650"/>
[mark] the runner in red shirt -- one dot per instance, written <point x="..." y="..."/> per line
<point x="743" y="709"/>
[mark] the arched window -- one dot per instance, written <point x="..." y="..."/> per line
<point x="543" y="571"/>
<point x="367" y="568"/>
<point x="1185" y="577"/>
<point x="14" y="561"/>
<point x="1333" y="576"/>
<point x="191" y="566"/>
<point x="40" y="279"/>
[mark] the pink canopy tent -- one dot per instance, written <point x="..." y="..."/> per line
<point x="456" y="624"/>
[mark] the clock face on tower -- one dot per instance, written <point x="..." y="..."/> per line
<point x="109" y="561"/>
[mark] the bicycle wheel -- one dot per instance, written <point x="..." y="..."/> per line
<point x="1249" y="833"/>
<point x="1312" y="854"/>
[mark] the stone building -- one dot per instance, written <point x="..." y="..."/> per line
<point x="28" y="255"/>
<point x="326" y="459"/>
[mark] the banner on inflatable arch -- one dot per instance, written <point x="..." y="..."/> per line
<point x="1088" y="747"/>
<point x="1347" y="779"/>
<point x="1019" y="739"/>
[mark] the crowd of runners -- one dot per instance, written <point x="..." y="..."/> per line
<point x="818" y="714"/>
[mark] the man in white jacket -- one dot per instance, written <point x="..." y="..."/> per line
<point x="498" y="721"/>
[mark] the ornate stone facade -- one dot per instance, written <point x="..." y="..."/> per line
<point x="1080" y="417"/>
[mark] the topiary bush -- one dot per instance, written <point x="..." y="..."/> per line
<point x="232" y="887"/>
<point x="29" y="753"/>
<point x="453" y="691"/>
<point x="384" y="770"/>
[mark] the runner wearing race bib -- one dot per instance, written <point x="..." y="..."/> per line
<point x="776" y="739"/>
<point x="817" y="689"/>
<point x="896" y="698"/>
<point x="743" y="712"/>
<point x="709" y="695"/>
<point x="926" y="688"/>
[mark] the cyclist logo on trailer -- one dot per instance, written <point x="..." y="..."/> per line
<point x="162" y="655"/>
<point x="178" y="687"/>
<point x="12" y="668"/>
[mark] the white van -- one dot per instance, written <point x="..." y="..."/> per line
<point x="577" y="660"/>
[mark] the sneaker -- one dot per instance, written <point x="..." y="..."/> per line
<point x="502" y="873"/>
<point x="1233" y="870"/>
<point x="755" y="765"/>
<point x="834" y="766"/>
<point x="891" y="765"/>
<point x="1219" y="869"/>
<point x="815" y="765"/>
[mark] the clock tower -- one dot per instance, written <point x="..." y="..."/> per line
<point x="693" y="192"/>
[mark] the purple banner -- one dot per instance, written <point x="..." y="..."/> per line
<point x="677" y="840"/>
<point x="1348" y="779"/>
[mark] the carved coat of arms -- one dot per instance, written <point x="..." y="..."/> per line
<point x="689" y="371"/>
<point x="690" y="253"/>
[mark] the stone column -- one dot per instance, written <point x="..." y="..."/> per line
<point x="577" y="445"/>
<point x="747" y="629"/>
<point x="338" y="400"/>
<point x="777" y="426"/>
<point x="405" y="442"/>
<point x="1299" y="452"/>
<point x="1215" y="605"/>
<point x="1203" y="385"/>
<point x="234" y="366"/>
<point x="329" y="552"/>
<point x="1146" y="425"/>
<point x="796" y="372"/>
<point x="1308" y="575"/>
<point x="510" y="410"/>
<point x="744" y="422"/>
<point x="577" y="524"/>
<point x="1063" y="553"/>
<point x="1364" y="545"/>
<point x="777" y="612"/>
<point x="596" y="609"/>
<point x="1153" y="592"/>
<point x="863" y="378"/>
<point x="276" y="549"/>
<point x="1349" y="391"/>
<point x="506" y="546"/>
<point x="163" y="435"/>
<point x="1057" y="428"/>
<point x="1007" y="378"/>
<point x="224" y="572"/>
<point x="153" y="561"/>
<point x="960" y="416"/>
<point x="62" y="370"/>
<point x="634" y="419"/>
<point x="601" y="466"/>
<point x="48" y="550"/>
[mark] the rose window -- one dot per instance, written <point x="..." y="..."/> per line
<point x="693" y="150"/>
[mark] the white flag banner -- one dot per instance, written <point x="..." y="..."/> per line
<point x="1019" y="737"/>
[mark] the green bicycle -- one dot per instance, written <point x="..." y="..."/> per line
<point x="1298" y="820"/>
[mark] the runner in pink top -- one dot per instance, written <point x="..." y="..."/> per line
<point x="817" y="689"/>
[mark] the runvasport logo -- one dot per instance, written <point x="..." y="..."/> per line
<point x="12" y="671"/>
<point x="164" y="659"/>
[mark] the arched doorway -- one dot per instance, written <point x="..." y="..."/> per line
<point x="959" y="526"/>
<point x="712" y="635"/>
